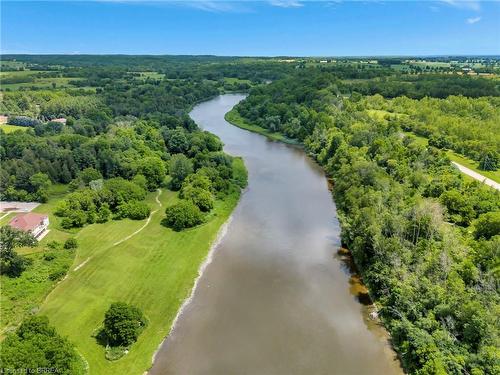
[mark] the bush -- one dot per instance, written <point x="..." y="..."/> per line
<point x="134" y="210"/>
<point x="183" y="215"/>
<point x="58" y="274"/>
<point x="123" y="323"/>
<point x="71" y="243"/>
<point x="49" y="256"/>
<point x="54" y="245"/>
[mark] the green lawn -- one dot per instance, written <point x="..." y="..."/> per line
<point x="154" y="270"/>
<point x="234" y="118"/>
<point x="11" y="128"/>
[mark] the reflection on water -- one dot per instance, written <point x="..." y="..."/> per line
<point x="276" y="299"/>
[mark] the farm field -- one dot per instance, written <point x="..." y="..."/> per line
<point x="152" y="75"/>
<point x="41" y="83"/>
<point x="154" y="270"/>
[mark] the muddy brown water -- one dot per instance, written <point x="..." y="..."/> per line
<point x="277" y="298"/>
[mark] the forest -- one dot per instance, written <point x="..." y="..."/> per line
<point x="100" y="140"/>
<point x="425" y="238"/>
<point x="122" y="140"/>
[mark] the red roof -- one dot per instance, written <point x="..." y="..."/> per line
<point x="27" y="221"/>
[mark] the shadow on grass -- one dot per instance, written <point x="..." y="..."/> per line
<point x="113" y="353"/>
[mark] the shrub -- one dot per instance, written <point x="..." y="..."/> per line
<point x="49" y="256"/>
<point x="71" y="243"/>
<point x="134" y="210"/>
<point x="58" y="274"/>
<point x="54" y="245"/>
<point x="123" y="323"/>
<point x="183" y="215"/>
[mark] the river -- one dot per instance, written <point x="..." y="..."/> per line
<point x="276" y="299"/>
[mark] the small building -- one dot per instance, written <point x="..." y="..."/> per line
<point x="62" y="120"/>
<point x="31" y="222"/>
<point x="3" y="119"/>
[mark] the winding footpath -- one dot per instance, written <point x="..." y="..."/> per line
<point x="145" y="224"/>
<point x="130" y="235"/>
<point x="477" y="176"/>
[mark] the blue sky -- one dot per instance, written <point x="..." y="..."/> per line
<point x="245" y="28"/>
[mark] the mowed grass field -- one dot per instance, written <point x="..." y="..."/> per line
<point x="12" y="128"/>
<point x="154" y="270"/>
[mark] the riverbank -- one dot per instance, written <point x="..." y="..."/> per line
<point x="275" y="299"/>
<point x="235" y="119"/>
<point x="155" y="270"/>
<point x="369" y="306"/>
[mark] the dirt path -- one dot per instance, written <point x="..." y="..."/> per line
<point x="477" y="176"/>
<point x="145" y="225"/>
<point x="131" y="235"/>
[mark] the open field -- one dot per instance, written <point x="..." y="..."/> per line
<point x="154" y="270"/>
<point x="40" y="83"/>
<point x="11" y="128"/>
<point x="234" y="118"/>
<point x="236" y="80"/>
<point x="152" y="75"/>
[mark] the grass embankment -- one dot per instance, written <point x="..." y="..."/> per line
<point x="234" y="118"/>
<point x="154" y="270"/>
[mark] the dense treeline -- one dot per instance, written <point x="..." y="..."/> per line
<point x="434" y="85"/>
<point x="436" y="283"/>
<point x="102" y="132"/>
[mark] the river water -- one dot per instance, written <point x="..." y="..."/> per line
<point x="276" y="299"/>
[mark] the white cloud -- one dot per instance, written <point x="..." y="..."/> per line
<point x="473" y="20"/>
<point x="210" y="6"/>
<point x="286" y="3"/>
<point x="464" y="4"/>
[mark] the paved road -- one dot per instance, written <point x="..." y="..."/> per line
<point x="477" y="176"/>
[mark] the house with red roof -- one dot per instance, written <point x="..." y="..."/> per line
<point x="62" y="120"/>
<point x="31" y="222"/>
